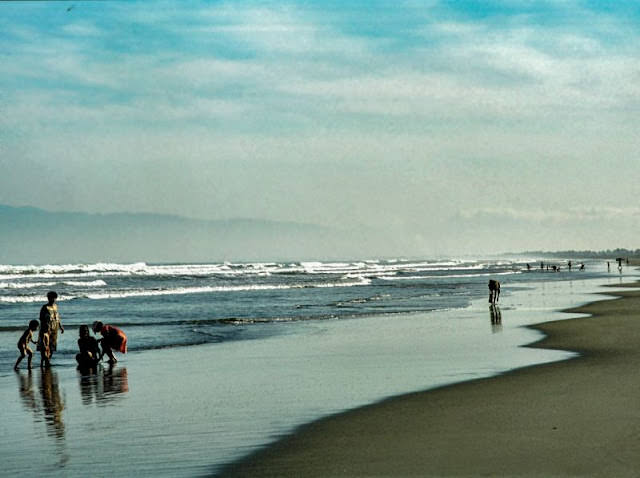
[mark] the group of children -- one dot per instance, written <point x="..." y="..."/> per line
<point x="89" y="355"/>
<point x="112" y="339"/>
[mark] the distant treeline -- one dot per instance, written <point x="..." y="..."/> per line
<point x="606" y="254"/>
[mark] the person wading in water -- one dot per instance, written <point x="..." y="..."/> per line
<point x="50" y="321"/>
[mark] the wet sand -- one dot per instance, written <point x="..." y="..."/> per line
<point x="579" y="417"/>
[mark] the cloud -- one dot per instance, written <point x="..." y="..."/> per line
<point x="83" y="29"/>
<point x="292" y="55"/>
<point x="397" y="115"/>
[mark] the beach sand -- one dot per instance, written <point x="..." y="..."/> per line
<point x="579" y="417"/>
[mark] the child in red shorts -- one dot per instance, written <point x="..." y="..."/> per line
<point x="112" y="339"/>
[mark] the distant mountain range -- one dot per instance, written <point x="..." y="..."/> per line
<point x="31" y="235"/>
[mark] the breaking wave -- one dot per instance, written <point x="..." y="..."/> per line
<point x="120" y="294"/>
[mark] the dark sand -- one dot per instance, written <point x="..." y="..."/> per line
<point x="574" y="418"/>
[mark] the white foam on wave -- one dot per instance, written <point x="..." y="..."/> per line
<point x="24" y="299"/>
<point x="35" y="285"/>
<point x="65" y="268"/>
<point x="21" y="299"/>
<point x="259" y="269"/>
<point x="207" y="289"/>
<point x="369" y="268"/>
<point x="451" y="276"/>
<point x="110" y="270"/>
<point x="25" y="285"/>
<point x="93" y="283"/>
<point x="8" y="272"/>
<point x="352" y="275"/>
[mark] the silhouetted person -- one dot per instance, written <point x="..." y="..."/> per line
<point x="50" y="322"/>
<point x="494" y="291"/>
<point x="112" y="339"/>
<point x="23" y="344"/>
<point x="89" y="352"/>
<point x="45" y="347"/>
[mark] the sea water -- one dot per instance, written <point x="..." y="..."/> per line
<point x="224" y="358"/>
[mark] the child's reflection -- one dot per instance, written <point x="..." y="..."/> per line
<point x="102" y="385"/>
<point x="27" y="394"/>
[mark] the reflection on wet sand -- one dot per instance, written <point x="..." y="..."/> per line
<point x="102" y="385"/>
<point x="49" y="408"/>
<point x="496" y="318"/>
<point x="27" y="394"/>
<point x="50" y="405"/>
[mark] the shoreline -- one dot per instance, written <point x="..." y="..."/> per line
<point x="576" y="417"/>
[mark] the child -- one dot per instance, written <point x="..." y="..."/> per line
<point x="45" y="350"/>
<point x="89" y="353"/>
<point x="112" y="338"/>
<point x="23" y="344"/>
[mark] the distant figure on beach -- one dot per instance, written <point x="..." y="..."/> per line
<point x="569" y="266"/>
<point x="89" y="352"/>
<point x="23" y="344"/>
<point x="528" y="267"/>
<point x="608" y="266"/>
<point x="112" y="339"/>
<point x="541" y="265"/>
<point x="50" y="323"/>
<point x="582" y="267"/>
<point x="494" y="291"/>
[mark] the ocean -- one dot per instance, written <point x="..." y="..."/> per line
<point x="225" y="358"/>
<point x="170" y="305"/>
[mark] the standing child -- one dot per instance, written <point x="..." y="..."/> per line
<point x="112" y="338"/>
<point x="45" y="349"/>
<point x="23" y="344"/>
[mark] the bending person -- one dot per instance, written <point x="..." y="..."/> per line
<point x="89" y="352"/>
<point x="494" y="291"/>
<point x="112" y="339"/>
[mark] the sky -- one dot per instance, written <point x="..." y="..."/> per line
<point x="464" y="127"/>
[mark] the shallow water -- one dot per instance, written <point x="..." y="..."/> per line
<point x="177" y="305"/>
<point x="185" y="411"/>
